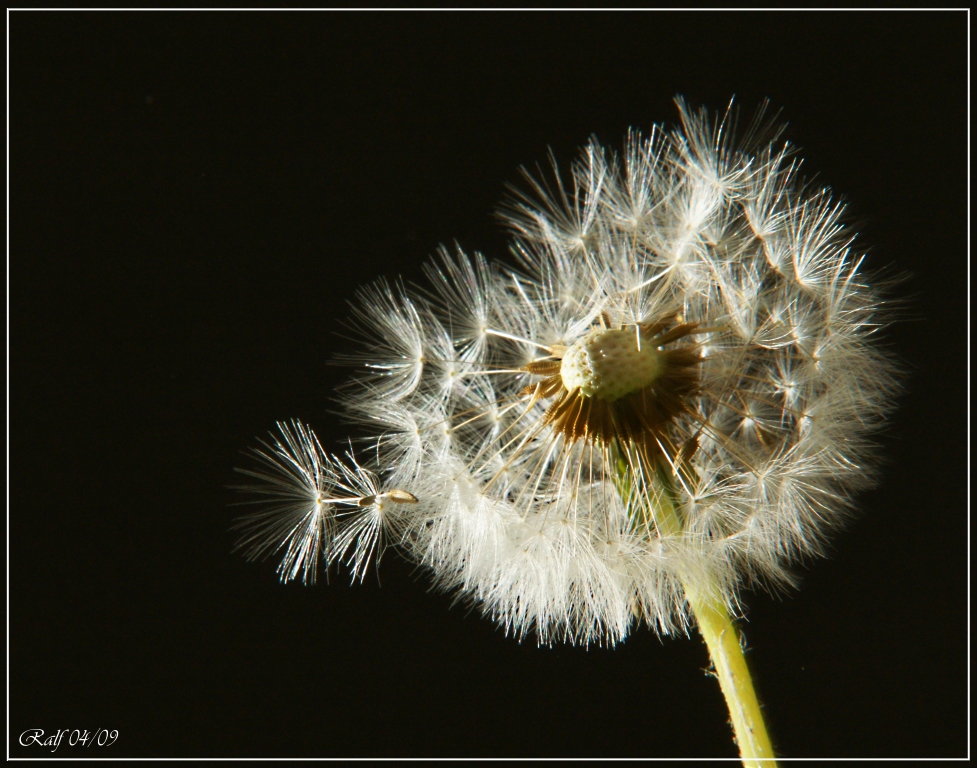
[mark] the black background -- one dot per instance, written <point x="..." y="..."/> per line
<point x="195" y="197"/>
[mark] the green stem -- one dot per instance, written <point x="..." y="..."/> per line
<point x="726" y="652"/>
<point x="715" y="625"/>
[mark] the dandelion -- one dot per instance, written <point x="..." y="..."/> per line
<point x="670" y="398"/>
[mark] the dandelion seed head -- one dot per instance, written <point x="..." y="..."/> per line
<point x="687" y="329"/>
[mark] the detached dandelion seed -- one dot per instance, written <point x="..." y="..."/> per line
<point x="312" y="505"/>
<point x="672" y="397"/>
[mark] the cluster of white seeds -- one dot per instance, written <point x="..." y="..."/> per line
<point x="687" y="325"/>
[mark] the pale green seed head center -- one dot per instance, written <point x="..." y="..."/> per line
<point x="610" y="363"/>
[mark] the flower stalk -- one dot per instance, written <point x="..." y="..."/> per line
<point x="729" y="663"/>
<point x="716" y="627"/>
